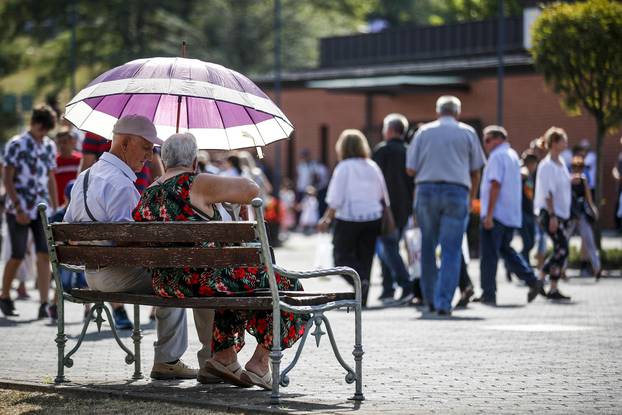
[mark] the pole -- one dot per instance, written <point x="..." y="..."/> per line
<point x="183" y="55"/>
<point x="277" y="92"/>
<point x="73" y="51"/>
<point x="500" y="71"/>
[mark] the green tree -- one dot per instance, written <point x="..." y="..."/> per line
<point x="578" y="48"/>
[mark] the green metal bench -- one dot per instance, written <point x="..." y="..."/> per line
<point x="177" y="244"/>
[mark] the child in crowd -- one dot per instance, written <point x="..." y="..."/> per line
<point x="288" y="202"/>
<point x="309" y="211"/>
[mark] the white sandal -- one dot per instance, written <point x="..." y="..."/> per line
<point x="264" y="381"/>
<point x="232" y="373"/>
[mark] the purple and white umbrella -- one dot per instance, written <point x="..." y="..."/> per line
<point x="222" y="108"/>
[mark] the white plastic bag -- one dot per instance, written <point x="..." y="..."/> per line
<point x="323" y="251"/>
<point x="412" y="236"/>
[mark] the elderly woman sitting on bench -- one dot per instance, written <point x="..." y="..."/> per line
<point x="182" y="194"/>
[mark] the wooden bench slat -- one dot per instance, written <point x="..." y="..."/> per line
<point x="155" y="231"/>
<point x="151" y="257"/>
<point x="262" y="302"/>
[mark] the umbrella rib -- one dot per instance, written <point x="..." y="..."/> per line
<point x="255" y="125"/>
<point x="187" y="114"/>
<point x="285" y="135"/>
<point x="224" y="128"/>
<point x="155" y="111"/>
<point x="124" y="106"/>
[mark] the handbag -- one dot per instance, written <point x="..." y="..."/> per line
<point x="387" y="226"/>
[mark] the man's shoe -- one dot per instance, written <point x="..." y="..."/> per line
<point x="465" y="297"/>
<point x="177" y="370"/>
<point x="486" y="301"/>
<point x="417" y="302"/>
<point x="53" y="313"/>
<point x="121" y="320"/>
<point x="406" y="297"/>
<point x="8" y="307"/>
<point x="534" y="290"/>
<point x="556" y="295"/>
<point x="206" y="378"/>
<point x="444" y="313"/>
<point x="386" y="297"/>
<point x="43" y="311"/>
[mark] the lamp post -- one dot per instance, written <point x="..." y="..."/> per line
<point x="73" y="52"/>
<point x="277" y="92"/>
<point x="500" y="71"/>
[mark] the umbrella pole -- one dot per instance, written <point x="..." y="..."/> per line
<point x="183" y="55"/>
<point x="178" y="113"/>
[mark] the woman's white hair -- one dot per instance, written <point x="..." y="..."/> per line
<point x="179" y="150"/>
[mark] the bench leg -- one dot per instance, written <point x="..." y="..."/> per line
<point x="275" y="357"/>
<point x="137" y="336"/>
<point x="61" y="339"/>
<point x="358" y="354"/>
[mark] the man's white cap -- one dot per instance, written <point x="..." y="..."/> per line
<point x="137" y="125"/>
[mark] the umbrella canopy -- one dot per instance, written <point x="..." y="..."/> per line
<point x="222" y="108"/>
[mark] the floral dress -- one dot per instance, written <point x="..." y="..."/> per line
<point x="159" y="203"/>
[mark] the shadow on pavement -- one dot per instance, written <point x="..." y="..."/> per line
<point x="447" y="318"/>
<point x="220" y="396"/>
<point x="6" y="322"/>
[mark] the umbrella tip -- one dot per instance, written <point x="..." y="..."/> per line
<point x="183" y="48"/>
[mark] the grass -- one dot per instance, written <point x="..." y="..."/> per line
<point x="14" y="402"/>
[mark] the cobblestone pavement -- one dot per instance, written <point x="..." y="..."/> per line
<point x="515" y="358"/>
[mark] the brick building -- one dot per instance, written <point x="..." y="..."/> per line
<point x="363" y="77"/>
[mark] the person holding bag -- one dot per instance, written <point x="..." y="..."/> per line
<point x="357" y="197"/>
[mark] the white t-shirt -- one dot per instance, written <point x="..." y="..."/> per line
<point x="356" y="190"/>
<point x="553" y="178"/>
<point x="503" y="167"/>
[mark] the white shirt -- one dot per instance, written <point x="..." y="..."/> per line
<point x="111" y="195"/>
<point x="356" y="190"/>
<point x="503" y="167"/>
<point x="553" y="178"/>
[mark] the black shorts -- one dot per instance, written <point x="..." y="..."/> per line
<point x="18" y="234"/>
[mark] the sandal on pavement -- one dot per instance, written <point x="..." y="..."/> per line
<point x="229" y="373"/>
<point x="264" y="381"/>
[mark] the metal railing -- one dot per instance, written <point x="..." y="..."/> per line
<point x="415" y="43"/>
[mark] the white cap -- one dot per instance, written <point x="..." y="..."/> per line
<point x="137" y="125"/>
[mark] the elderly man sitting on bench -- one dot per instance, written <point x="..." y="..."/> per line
<point x="106" y="193"/>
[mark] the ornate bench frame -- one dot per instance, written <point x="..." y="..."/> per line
<point x="254" y="249"/>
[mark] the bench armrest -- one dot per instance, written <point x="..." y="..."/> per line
<point x="323" y="273"/>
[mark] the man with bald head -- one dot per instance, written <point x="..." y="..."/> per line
<point x="106" y="193"/>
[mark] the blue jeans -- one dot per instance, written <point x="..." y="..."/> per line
<point x="494" y="243"/>
<point x="528" y="234"/>
<point x="442" y="213"/>
<point x="393" y="268"/>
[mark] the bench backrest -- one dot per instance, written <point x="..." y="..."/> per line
<point x="156" y="244"/>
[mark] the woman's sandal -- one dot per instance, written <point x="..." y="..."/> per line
<point x="264" y="381"/>
<point x="232" y="373"/>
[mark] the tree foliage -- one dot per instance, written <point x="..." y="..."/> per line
<point x="578" y="48"/>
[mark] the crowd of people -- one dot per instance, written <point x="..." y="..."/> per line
<point x="538" y="195"/>
<point x="372" y="199"/>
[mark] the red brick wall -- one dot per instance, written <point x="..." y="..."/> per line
<point x="530" y="109"/>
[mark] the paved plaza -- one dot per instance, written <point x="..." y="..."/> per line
<point x="515" y="358"/>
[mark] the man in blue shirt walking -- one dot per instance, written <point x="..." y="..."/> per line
<point x="500" y="215"/>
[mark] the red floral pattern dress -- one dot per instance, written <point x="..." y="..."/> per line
<point x="158" y="204"/>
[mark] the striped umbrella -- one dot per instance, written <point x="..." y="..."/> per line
<point x="222" y="108"/>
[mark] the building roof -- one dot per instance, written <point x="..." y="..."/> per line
<point x="413" y="56"/>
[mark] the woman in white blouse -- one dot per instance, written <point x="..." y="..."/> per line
<point x="355" y="198"/>
<point x="552" y="205"/>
